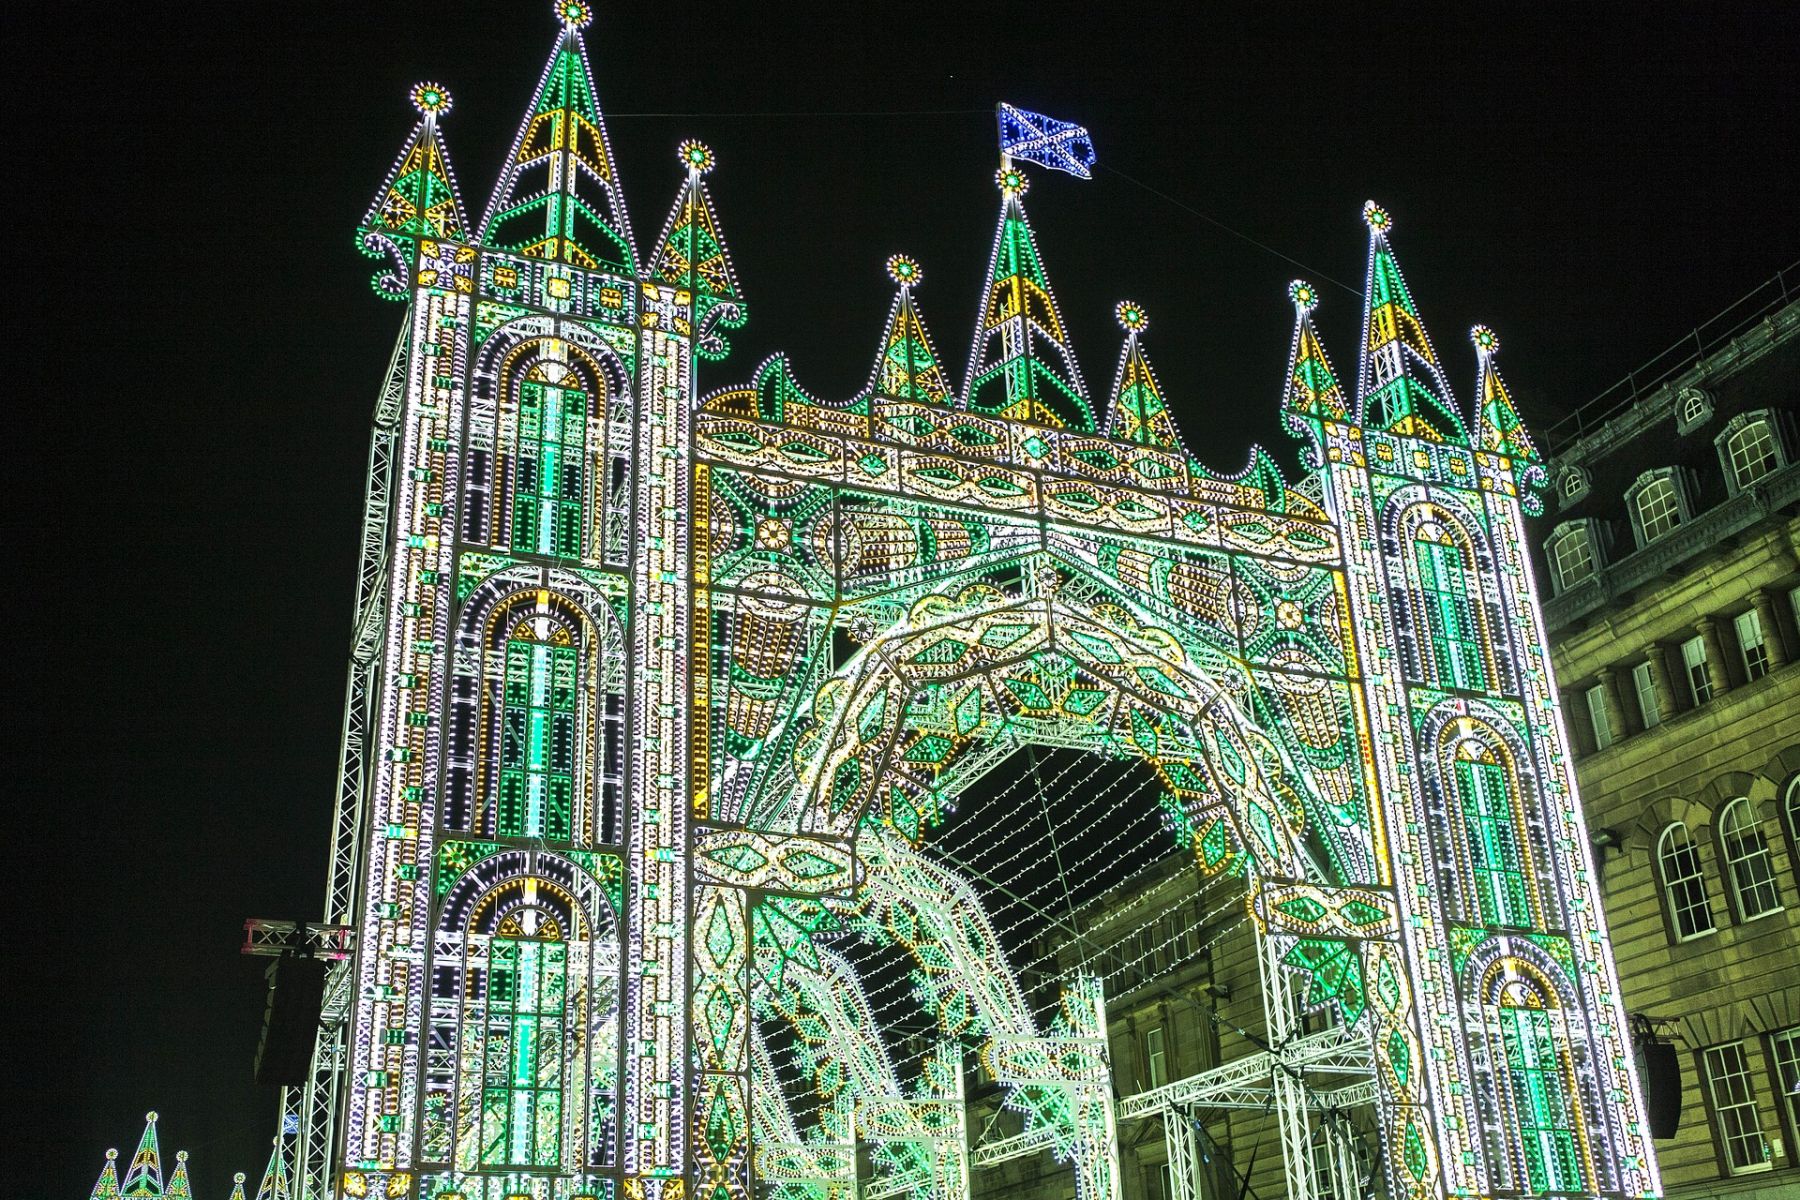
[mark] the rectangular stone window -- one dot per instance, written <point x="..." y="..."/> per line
<point x="1751" y="644"/>
<point x="1643" y="683"/>
<point x="1693" y="662"/>
<point x="1784" y="1052"/>
<point x="1735" y="1115"/>
<point x="1156" y="1057"/>
<point x="1596" y="706"/>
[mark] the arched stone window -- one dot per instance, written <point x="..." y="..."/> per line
<point x="1694" y="408"/>
<point x="1749" y="867"/>
<point x="1573" y="554"/>
<point x="1657" y="504"/>
<point x="1683" y="883"/>
<point x="1749" y="448"/>
<point x="1790" y="804"/>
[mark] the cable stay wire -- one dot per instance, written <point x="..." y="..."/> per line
<point x="1236" y="233"/>
<point x="876" y="113"/>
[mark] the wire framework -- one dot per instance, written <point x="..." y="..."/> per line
<point x="725" y="770"/>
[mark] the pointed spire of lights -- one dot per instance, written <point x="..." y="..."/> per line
<point x="1138" y="413"/>
<point x="1400" y="387"/>
<point x="691" y="255"/>
<point x="1312" y="393"/>
<point x="1498" y="429"/>
<point x="144" y="1176"/>
<point x="559" y="197"/>
<point x="419" y="197"/>
<point x="179" y="1188"/>
<point x="1022" y="367"/>
<point x="237" y="1187"/>
<point x="274" y="1184"/>
<point x="107" y="1186"/>
<point x="907" y="366"/>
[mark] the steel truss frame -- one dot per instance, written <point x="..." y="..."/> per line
<point x="309" y="1112"/>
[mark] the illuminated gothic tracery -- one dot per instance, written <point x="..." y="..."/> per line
<point x="666" y="686"/>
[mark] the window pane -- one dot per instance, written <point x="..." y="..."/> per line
<point x="1573" y="556"/>
<point x="1643" y="682"/>
<point x="1658" y="508"/>
<point x="1751" y="451"/>
<point x="1693" y="659"/>
<point x="1684" y="883"/>
<point x="1747" y="861"/>
<point x="1596" y="706"/>
<point x="1734" y="1109"/>
<point x="1750" y="642"/>
<point x="1156" y="1058"/>
<point x="1784" y="1050"/>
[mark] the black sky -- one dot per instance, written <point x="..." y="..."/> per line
<point x="199" y="351"/>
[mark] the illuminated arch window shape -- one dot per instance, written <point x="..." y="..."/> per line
<point x="524" y="1018"/>
<point x="538" y="441"/>
<point x="1501" y="859"/>
<point x="537" y="755"/>
<point x="1530" y="1046"/>
<point x="1453" y="636"/>
<point x="550" y="465"/>
<point x="1683" y="883"/>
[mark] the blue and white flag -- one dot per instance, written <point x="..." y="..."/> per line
<point x="1059" y="145"/>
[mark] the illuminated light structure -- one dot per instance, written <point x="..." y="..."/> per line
<point x="659" y="692"/>
<point x="144" y="1173"/>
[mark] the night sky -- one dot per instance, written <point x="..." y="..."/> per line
<point x="200" y="352"/>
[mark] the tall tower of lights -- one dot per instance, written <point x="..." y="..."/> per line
<point x="659" y="692"/>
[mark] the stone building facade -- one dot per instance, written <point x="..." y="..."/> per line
<point x="1673" y="556"/>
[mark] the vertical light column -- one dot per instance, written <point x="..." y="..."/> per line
<point x="656" y="1054"/>
<point x="1625" y="1151"/>
<point x="1409" y="984"/>
<point x="393" y="926"/>
<point x="720" y="1019"/>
